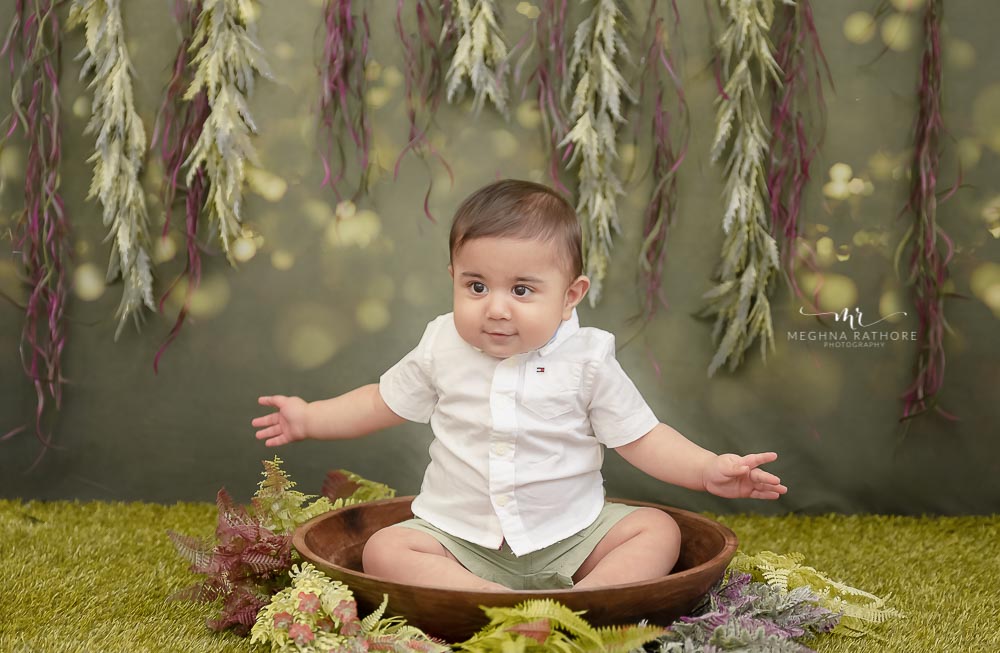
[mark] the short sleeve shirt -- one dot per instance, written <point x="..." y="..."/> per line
<point x="517" y="442"/>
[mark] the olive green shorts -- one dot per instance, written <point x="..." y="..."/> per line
<point x="549" y="568"/>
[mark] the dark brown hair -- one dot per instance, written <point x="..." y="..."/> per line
<point x="513" y="208"/>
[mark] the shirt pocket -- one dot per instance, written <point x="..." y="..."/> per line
<point x="552" y="393"/>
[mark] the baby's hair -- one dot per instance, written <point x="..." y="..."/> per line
<point x="512" y="208"/>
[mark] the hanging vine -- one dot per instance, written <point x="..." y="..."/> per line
<point x="342" y="101"/>
<point x="120" y="149"/>
<point x="666" y="159"/>
<point x="182" y="123"/>
<point x="424" y="57"/>
<point x="749" y="261"/>
<point x="598" y="87"/>
<point x="930" y="247"/>
<point x="226" y="62"/>
<point x="799" y="56"/>
<point x="40" y="235"/>
<point x="480" y="59"/>
<point x="550" y="68"/>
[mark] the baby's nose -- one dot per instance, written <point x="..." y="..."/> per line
<point x="497" y="308"/>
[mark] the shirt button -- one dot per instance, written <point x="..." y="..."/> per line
<point x="503" y="499"/>
<point x="500" y="448"/>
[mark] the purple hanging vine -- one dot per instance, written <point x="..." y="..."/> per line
<point x="182" y="123"/>
<point x="425" y="63"/>
<point x="930" y="247"/>
<point x="666" y="159"/>
<point x="342" y="103"/>
<point x="41" y="231"/>
<point x="550" y="70"/>
<point x="799" y="56"/>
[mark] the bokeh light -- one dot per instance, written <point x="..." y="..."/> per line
<point x="527" y="114"/>
<point x="88" y="282"/>
<point x="268" y="185"/>
<point x="282" y="259"/>
<point x="164" y="248"/>
<point x="357" y="231"/>
<point x="898" y="32"/>
<point x="859" y="27"/>
<point x="986" y="116"/>
<point x="959" y="54"/>
<point x="308" y="335"/>
<point x="372" y="314"/>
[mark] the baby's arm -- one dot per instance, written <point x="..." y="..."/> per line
<point x="665" y="454"/>
<point x="351" y="415"/>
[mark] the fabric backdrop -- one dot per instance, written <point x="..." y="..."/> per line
<point x="320" y="307"/>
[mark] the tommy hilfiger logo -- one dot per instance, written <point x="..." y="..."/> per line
<point x="539" y="370"/>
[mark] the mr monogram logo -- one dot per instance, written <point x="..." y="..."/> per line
<point x="858" y="333"/>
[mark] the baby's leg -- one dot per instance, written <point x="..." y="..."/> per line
<point x="645" y="544"/>
<point x="406" y="555"/>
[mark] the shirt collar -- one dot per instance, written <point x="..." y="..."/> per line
<point x="566" y="329"/>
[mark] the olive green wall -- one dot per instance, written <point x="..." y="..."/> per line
<point x="317" y="310"/>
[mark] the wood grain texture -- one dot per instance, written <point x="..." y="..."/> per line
<point x="334" y="542"/>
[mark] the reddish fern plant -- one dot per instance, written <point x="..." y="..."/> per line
<point x="800" y="57"/>
<point x="247" y="566"/>
<point x="342" y="102"/>
<point x="41" y="231"/>
<point x="179" y="124"/>
<point x="425" y="64"/>
<point x="930" y="247"/>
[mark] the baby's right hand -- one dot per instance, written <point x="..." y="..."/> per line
<point x="286" y="425"/>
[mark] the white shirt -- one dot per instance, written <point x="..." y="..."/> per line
<point x="517" y="442"/>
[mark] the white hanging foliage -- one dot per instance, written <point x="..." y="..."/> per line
<point x="598" y="91"/>
<point x="226" y="63"/>
<point x="480" y="55"/>
<point x="119" y="150"/>
<point x="739" y="300"/>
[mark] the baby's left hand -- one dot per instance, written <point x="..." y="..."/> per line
<point x="738" y="477"/>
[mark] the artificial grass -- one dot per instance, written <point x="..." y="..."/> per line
<point x="95" y="576"/>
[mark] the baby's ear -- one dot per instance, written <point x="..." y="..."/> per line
<point x="451" y="271"/>
<point x="574" y="295"/>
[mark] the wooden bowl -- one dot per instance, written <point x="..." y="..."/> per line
<point x="334" y="542"/>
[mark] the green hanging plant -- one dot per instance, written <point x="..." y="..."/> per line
<point x="40" y="234"/>
<point x="544" y="625"/>
<point x="226" y="63"/>
<point x="598" y="89"/>
<point x="480" y="55"/>
<point x="739" y="300"/>
<point x="118" y="159"/>
<point x="861" y="612"/>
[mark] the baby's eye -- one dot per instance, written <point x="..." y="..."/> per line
<point x="478" y="287"/>
<point x="522" y="291"/>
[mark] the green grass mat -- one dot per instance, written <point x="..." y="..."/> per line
<point x="94" y="576"/>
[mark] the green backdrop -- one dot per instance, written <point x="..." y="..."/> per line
<point x="320" y="306"/>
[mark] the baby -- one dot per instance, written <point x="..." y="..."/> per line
<point x="520" y="399"/>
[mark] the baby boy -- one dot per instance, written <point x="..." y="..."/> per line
<point x="520" y="399"/>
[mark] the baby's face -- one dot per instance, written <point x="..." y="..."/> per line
<point x="510" y="295"/>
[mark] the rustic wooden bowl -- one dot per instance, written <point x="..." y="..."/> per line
<point x="334" y="541"/>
